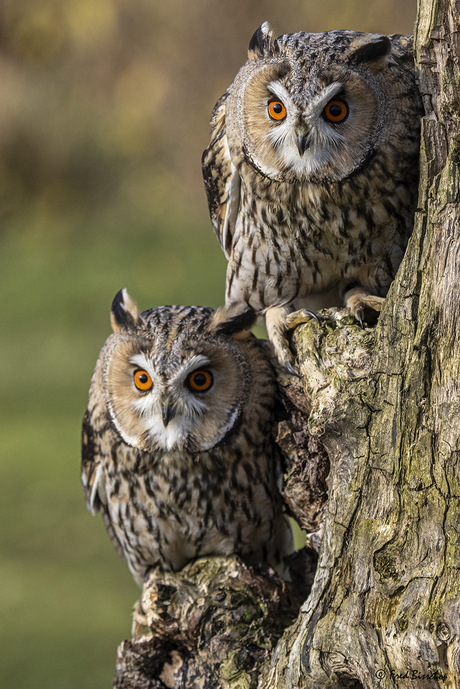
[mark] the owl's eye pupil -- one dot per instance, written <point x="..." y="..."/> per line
<point x="143" y="378"/>
<point x="278" y="108"/>
<point x="335" y="110"/>
<point x="199" y="380"/>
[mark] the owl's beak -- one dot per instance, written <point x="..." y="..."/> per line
<point x="302" y="143"/>
<point x="168" y="412"/>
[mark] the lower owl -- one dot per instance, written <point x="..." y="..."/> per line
<point x="177" y="447"/>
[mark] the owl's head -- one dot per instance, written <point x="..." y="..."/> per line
<point x="177" y="378"/>
<point x="316" y="107"/>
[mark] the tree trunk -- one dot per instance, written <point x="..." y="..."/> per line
<point x="384" y="608"/>
<point x="382" y="407"/>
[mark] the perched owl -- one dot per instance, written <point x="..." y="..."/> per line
<point x="311" y="173"/>
<point x="177" y="447"/>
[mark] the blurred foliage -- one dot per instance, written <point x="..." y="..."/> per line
<point x="108" y="101"/>
<point x="104" y="112"/>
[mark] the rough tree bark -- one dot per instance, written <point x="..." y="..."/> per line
<point x="384" y="608"/>
<point x="382" y="407"/>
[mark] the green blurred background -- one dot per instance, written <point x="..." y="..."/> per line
<point x="104" y="111"/>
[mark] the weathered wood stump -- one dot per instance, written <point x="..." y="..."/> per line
<point x="214" y="624"/>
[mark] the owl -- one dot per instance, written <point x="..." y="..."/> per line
<point x="311" y="174"/>
<point x="177" y="450"/>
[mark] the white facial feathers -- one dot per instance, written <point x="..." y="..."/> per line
<point x="185" y="405"/>
<point x="322" y="137"/>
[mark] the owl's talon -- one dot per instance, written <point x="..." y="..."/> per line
<point x="363" y="305"/>
<point x="299" y="317"/>
<point x="290" y="369"/>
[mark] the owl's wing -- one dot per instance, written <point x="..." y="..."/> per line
<point x="221" y="180"/>
<point x="93" y="479"/>
<point x="91" y="469"/>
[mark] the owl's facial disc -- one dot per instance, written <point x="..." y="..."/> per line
<point x="186" y="405"/>
<point x="168" y="409"/>
<point x="307" y="127"/>
<point x="306" y="136"/>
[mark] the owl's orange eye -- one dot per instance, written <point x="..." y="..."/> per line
<point x="200" y="380"/>
<point x="336" y="111"/>
<point x="276" y="110"/>
<point x="142" y="380"/>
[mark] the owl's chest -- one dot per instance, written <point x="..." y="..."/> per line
<point x="157" y="514"/>
<point x="179" y="509"/>
<point x="327" y="227"/>
<point x="322" y="223"/>
<point x="166" y="492"/>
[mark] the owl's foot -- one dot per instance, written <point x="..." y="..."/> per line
<point x="364" y="306"/>
<point x="298" y="317"/>
<point x="279" y="322"/>
<point x="275" y="321"/>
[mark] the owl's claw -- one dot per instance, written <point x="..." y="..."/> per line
<point x="363" y="305"/>
<point x="279" y="323"/>
<point x="298" y="317"/>
<point x="290" y="369"/>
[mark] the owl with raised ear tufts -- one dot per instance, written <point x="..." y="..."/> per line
<point x="311" y="173"/>
<point x="177" y="450"/>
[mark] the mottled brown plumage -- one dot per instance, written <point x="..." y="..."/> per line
<point x="311" y="173"/>
<point x="177" y="447"/>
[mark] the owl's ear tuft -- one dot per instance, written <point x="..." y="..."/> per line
<point x="372" y="53"/>
<point x="262" y="42"/>
<point x="124" y="314"/>
<point x="234" y="321"/>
